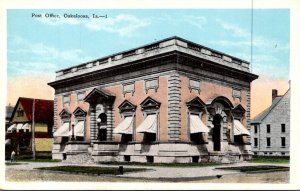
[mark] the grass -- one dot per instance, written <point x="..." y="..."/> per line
<point x="91" y="169"/>
<point x="172" y="165"/>
<point x="12" y="163"/>
<point x="260" y="168"/>
<point x="37" y="160"/>
<point x="271" y="159"/>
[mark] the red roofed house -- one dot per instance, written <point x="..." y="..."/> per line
<point x="29" y="111"/>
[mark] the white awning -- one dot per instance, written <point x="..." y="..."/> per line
<point x="19" y="126"/>
<point x="196" y="125"/>
<point x="125" y="127"/>
<point x="12" y="127"/>
<point x="149" y="125"/>
<point x="62" y="131"/>
<point x="26" y="126"/>
<point x="239" y="128"/>
<point x="78" y="129"/>
<point x="7" y="141"/>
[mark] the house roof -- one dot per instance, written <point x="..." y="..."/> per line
<point x="43" y="109"/>
<point x="261" y="116"/>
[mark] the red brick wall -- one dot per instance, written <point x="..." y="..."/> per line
<point x="137" y="98"/>
<point x="208" y="90"/>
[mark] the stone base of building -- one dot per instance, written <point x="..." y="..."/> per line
<point x="169" y="152"/>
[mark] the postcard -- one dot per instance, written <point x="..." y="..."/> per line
<point x="103" y="95"/>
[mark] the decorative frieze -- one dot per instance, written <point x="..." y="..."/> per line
<point x="151" y="84"/>
<point x="128" y="88"/>
<point x="194" y="84"/>
<point x="236" y="94"/>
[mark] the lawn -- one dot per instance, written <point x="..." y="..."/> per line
<point x="172" y="165"/>
<point x="260" y="168"/>
<point x="12" y="163"/>
<point x="37" y="160"/>
<point x="271" y="159"/>
<point x="91" y="169"/>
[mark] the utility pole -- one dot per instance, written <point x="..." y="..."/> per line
<point x="33" y="130"/>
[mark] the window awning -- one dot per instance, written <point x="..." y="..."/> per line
<point x="149" y="125"/>
<point x="12" y="127"/>
<point x="78" y="129"/>
<point x="25" y="126"/>
<point x="196" y="125"/>
<point x="19" y="126"/>
<point x="239" y="128"/>
<point x="62" y="131"/>
<point x="125" y="127"/>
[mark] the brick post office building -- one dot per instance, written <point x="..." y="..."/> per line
<point x="169" y="101"/>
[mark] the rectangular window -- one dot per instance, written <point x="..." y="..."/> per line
<point x="268" y="141"/>
<point x="283" y="141"/>
<point x="282" y="128"/>
<point x="255" y="128"/>
<point x="66" y="99"/>
<point x="268" y="128"/>
<point x="255" y="142"/>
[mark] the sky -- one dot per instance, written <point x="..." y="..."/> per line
<point x="39" y="46"/>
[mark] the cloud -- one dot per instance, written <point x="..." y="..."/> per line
<point x="234" y="29"/>
<point x="31" y="58"/>
<point x="197" y="21"/>
<point x="122" y="24"/>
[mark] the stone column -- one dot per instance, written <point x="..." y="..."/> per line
<point x="174" y="107"/>
<point x="210" y="125"/>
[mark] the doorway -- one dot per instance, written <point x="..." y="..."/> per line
<point x="217" y="132"/>
<point x="102" y="125"/>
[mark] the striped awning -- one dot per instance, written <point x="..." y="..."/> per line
<point x="239" y="128"/>
<point x="19" y="126"/>
<point x="63" y="131"/>
<point x="78" y="129"/>
<point x="125" y="127"/>
<point x="149" y="125"/>
<point x="7" y="141"/>
<point x="12" y="128"/>
<point x="196" y="125"/>
<point x="25" y="126"/>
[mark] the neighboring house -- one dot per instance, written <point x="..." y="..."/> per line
<point x="26" y="112"/>
<point x="169" y="101"/>
<point x="270" y="130"/>
<point x="9" y="111"/>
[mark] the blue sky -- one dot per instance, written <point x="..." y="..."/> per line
<point x="42" y="46"/>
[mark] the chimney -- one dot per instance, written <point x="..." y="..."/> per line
<point x="274" y="94"/>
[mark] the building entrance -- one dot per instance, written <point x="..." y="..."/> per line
<point x="217" y="132"/>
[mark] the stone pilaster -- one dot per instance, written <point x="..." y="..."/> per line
<point x="93" y="125"/>
<point x="174" y="107"/>
<point x="247" y="114"/>
<point x="110" y="123"/>
<point x="55" y="114"/>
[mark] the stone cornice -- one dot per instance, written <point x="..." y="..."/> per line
<point x="166" y="62"/>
